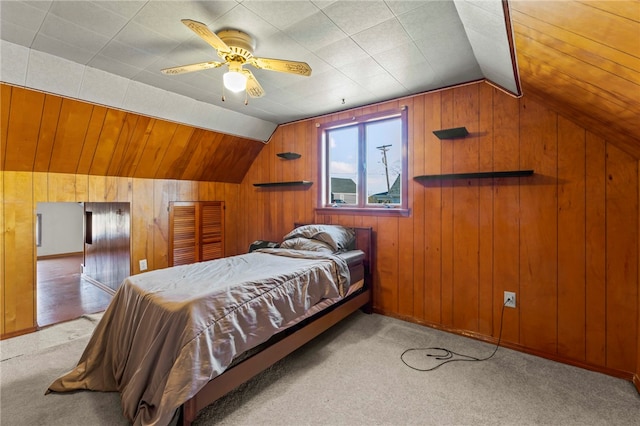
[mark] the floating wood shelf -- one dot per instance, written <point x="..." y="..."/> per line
<point x="289" y="155"/>
<point x="476" y="175"/>
<point x="455" y="133"/>
<point x="293" y="183"/>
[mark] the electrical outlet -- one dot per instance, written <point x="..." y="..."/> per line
<point x="143" y="265"/>
<point x="509" y="299"/>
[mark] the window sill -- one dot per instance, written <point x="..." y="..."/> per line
<point x="371" y="211"/>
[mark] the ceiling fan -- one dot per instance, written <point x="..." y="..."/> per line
<point x="236" y="49"/>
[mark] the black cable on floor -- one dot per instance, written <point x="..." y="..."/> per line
<point x="447" y="355"/>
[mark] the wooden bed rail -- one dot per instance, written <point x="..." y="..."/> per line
<point x="249" y="368"/>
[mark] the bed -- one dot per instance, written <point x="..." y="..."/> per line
<point x="173" y="341"/>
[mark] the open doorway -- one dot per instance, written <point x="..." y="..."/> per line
<point x="63" y="293"/>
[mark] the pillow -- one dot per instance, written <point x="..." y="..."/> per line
<point x="338" y="237"/>
<point x="299" y="243"/>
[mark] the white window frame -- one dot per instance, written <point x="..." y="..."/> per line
<point x="362" y="206"/>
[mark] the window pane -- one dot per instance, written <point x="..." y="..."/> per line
<point x="343" y="165"/>
<point x="384" y="161"/>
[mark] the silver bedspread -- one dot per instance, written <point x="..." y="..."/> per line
<point x="168" y="332"/>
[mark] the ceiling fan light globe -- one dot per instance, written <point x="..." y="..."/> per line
<point x="235" y="81"/>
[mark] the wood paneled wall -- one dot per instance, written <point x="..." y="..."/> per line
<point x="149" y="201"/>
<point x="565" y="240"/>
<point x="48" y="133"/>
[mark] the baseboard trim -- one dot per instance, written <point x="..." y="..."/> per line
<point x="98" y="284"/>
<point x="621" y="374"/>
<point x="18" y="333"/>
<point x="55" y="256"/>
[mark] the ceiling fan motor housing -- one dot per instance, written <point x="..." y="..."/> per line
<point x="240" y="43"/>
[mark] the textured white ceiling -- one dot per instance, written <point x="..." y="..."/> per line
<point x="361" y="52"/>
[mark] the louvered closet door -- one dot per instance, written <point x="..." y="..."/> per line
<point x="182" y="233"/>
<point x="212" y="230"/>
<point x="196" y="231"/>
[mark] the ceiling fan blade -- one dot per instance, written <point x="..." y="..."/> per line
<point x="280" y="65"/>
<point x="253" y="87"/>
<point x="190" y="68"/>
<point x="206" y="34"/>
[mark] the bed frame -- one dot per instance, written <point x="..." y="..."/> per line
<point x="289" y="342"/>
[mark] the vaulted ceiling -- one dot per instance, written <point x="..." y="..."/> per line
<point x="582" y="58"/>
<point x="360" y="52"/>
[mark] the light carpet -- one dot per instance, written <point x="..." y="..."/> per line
<point x="350" y="375"/>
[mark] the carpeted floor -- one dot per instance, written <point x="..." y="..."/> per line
<point x="351" y="375"/>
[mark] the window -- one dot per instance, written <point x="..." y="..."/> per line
<point x="364" y="162"/>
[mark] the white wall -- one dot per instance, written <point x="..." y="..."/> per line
<point x="62" y="228"/>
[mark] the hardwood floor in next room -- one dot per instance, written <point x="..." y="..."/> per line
<point x="63" y="294"/>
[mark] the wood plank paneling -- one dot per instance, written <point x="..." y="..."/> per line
<point x="129" y="127"/>
<point x="49" y="133"/>
<point x="406" y="234"/>
<point x="154" y="151"/>
<point x="617" y="31"/>
<point x="98" y="115"/>
<point x="82" y="188"/>
<point x="22" y="131"/>
<point x="466" y="213"/>
<point x="622" y="267"/>
<point x="3" y="270"/>
<point x="417" y="142"/>
<point x="571" y="240"/>
<point x="73" y="123"/>
<point x="62" y="187"/>
<point x="5" y="108"/>
<point x="19" y="243"/>
<point x="433" y="213"/>
<point x="586" y="67"/>
<point x="506" y="217"/>
<point x="133" y="153"/>
<point x="386" y="293"/>
<point x="447" y="224"/>
<point x="178" y="153"/>
<point x="287" y="168"/>
<point x="203" y="155"/>
<point x="485" y="211"/>
<point x="142" y="247"/>
<point x="230" y="194"/>
<point x="538" y="229"/>
<point x="548" y="237"/>
<point x="48" y="129"/>
<point x="596" y="237"/>
<point x="107" y="140"/>
<point x="164" y="191"/>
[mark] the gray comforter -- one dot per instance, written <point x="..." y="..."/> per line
<point x="168" y="332"/>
